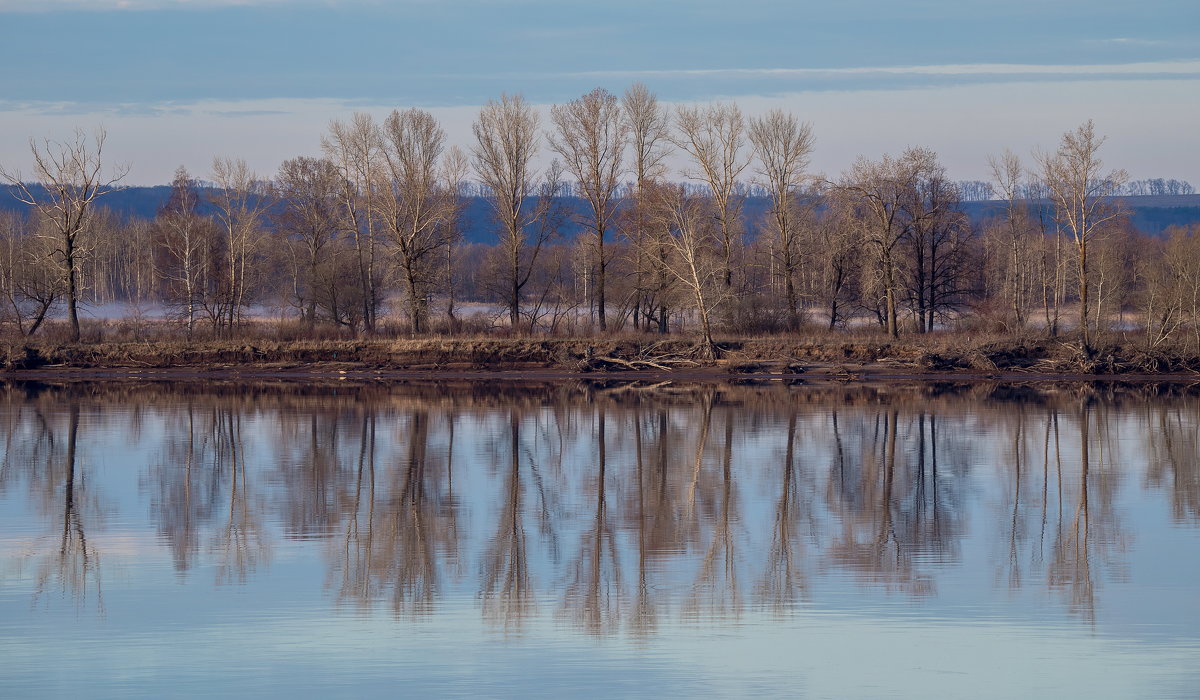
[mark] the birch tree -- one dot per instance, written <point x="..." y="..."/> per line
<point x="714" y="137"/>
<point x="1008" y="174"/>
<point x="695" y="260"/>
<point x="240" y="200"/>
<point x="183" y="244"/>
<point x="1081" y="193"/>
<point x="32" y="279"/>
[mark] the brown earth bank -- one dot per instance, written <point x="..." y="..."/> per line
<point x="773" y="356"/>
<point x="754" y="399"/>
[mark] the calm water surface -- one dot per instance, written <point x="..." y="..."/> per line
<point x="464" y="539"/>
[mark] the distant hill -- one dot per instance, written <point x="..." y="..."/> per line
<point x="1151" y="214"/>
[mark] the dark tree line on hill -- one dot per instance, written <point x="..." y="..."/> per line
<point x="369" y="238"/>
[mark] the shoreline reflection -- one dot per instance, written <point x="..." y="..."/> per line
<point x="618" y="506"/>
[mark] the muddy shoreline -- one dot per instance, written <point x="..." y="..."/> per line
<point x="516" y="359"/>
<point x="343" y="372"/>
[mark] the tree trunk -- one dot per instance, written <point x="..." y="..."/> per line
<point x="72" y="288"/>
<point x="514" y="299"/>
<point x="600" y="282"/>
<point x="1083" y="298"/>
<point x="415" y="310"/>
<point x="892" y="329"/>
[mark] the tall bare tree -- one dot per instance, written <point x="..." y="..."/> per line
<point x="838" y="252"/>
<point x="1008" y="175"/>
<point x="783" y="146"/>
<point x="309" y="189"/>
<point x="714" y="136"/>
<point x="240" y="200"/>
<point x="1082" y="196"/>
<point x="695" y="259"/>
<point x="420" y="203"/>
<point x="455" y="167"/>
<point x="649" y="125"/>
<point x="183" y="244"/>
<point x="936" y="237"/>
<point x="874" y="193"/>
<point x="506" y="137"/>
<point x="356" y="149"/>
<point x="591" y="137"/>
<point x="68" y="178"/>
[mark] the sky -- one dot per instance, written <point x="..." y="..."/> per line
<point x="178" y="82"/>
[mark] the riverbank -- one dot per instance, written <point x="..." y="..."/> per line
<point x="772" y="356"/>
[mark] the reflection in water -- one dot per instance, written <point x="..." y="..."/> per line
<point x="612" y="506"/>
<point x="74" y="565"/>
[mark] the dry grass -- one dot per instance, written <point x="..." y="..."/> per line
<point x="286" y="346"/>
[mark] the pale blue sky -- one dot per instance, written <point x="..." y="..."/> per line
<point x="179" y="81"/>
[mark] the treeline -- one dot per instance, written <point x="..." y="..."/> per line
<point x="368" y="239"/>
<point x="983" y="191"/>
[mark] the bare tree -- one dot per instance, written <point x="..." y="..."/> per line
<point x="838" y="250"/>
<point x="69" y="177"/>
<point x="30" y="274"/>
<point x="935" y="240"/>
<point x="240" y="200"/>
<point x="783" y="146"/>
<point x="419" y="205"/>
<point x="695" y="259"/>
<point x="714" y="137"/>
<point x="310" y="189"/>
<point x="591" y="138"/>
<point x="1082" y="196"/>
<point x="506" y="142"/>
<point x="1008" y="173"/>
<point x="356" y="149"/>
<point x="455" y="167"/>
<point x="183" y="244"/>
<point x="649" y="127"/>
<point x="874" y="193"/>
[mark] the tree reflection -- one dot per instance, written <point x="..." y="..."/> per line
<point x="75" y="564"/>
<point x="716" y="589"/>
<point x="868" y="542"/>
<point x="185" y="502"/>
<point x="42" y="444"/>
<point x="784" y="578"/>
<point x="627" y="504"/>
<point x="507" y="595"/>
<point x="1070" y="567"/>
<point x="593" y="595"/>
<point x="1175" y="458"/>
<point x="241" y="544"/>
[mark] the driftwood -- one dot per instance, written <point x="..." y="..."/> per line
<point x="663" y="364"/>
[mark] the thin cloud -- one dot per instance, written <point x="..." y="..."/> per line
<point x="1172" y="68"/>
<point x="1130" y="41"/>
<point x="45" y="6"/>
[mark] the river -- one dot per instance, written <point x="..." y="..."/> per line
<point x="510" y="539"/>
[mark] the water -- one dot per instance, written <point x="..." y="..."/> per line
<point x="544" y="540"/>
